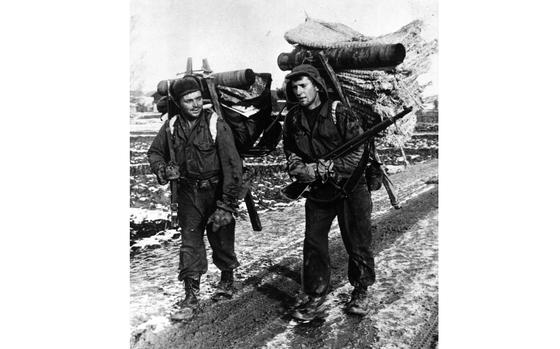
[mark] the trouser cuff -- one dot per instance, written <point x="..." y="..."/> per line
<point x="183" y="274"/>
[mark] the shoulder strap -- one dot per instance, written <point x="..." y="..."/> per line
<point x="333" y="116"/>
<point x="213" y="126"/>
<point x="172" y="123"/>
<point x="333" y="111"/>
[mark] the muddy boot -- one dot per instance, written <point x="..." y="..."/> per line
<point x="312" y="309"/>
<point x="187" y="305"/>
<point x="358" y="304"/>
<point x="224" y="289"/>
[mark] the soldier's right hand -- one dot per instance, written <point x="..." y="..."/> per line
<point x="305" y="173"/>
<point x="161" y="177"/>
<point x="172" y="172"/>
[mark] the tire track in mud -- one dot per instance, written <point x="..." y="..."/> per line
<point x="257" y="313"/>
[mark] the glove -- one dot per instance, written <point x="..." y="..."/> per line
<point x="305" y="173"/>
<point x="325" y="169"/>
<point x="220" y="218"/>
<point x="167" y="173"/>
<point x="172" y="172"/>
<point x="160" y="175"/>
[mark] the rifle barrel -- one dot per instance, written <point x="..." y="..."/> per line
<point x="357" y="141"/>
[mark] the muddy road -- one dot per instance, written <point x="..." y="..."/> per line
<point x="404" y="299"/>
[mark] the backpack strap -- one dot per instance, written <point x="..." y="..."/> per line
<point x="334" y="118"/>
<point x="172" y="123"/>
<point x="212" y="125"/>
<point x="333" y="111"/>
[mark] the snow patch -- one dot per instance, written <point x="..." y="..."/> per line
<point x="138" y="215"/>
<point x="155" y="324"/>
<point x="155" y="240"/>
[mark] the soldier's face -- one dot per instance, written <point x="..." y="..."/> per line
<point x="306" y="92"/>
<point x="191" y="104"/>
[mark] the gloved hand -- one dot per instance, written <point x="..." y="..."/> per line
<point x="172" y="172"/>
<point x="305" y="173"/>
<point x="160" y="175"/>
<point x="220" y="218"/>
<point x="167" y="173"/>
<point x="325" y="169"/>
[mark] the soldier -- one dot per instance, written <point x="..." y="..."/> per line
<point x="312" y="128"/>
<point x="209" y="173"/>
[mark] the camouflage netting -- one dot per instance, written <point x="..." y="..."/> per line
<point x="378" y="92"/>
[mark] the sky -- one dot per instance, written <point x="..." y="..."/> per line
<point x="239" y="34"/>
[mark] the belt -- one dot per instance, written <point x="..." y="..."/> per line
<point x="200" y="183"/>
<point x="339" y="181"/>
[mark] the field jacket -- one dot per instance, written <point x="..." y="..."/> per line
<point x="199" y="156"/>
<point x="304" y="145"/>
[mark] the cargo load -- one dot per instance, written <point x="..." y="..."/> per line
<point x="246" y="104"/>
<point x="377" y="74"/>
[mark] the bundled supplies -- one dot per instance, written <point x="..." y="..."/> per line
<point x="377" y="74"/>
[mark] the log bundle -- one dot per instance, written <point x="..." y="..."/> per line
<point x="378" y="74"/>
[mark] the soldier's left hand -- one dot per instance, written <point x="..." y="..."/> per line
<point x="220" y="218"/>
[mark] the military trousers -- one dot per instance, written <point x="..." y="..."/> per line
<point x="354" y="220"/>
<point x="196" y="204"/>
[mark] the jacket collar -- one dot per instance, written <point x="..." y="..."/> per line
<point x="183" y="130"/>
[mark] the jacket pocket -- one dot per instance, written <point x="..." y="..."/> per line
<point x="204" y="147"/>
<point x="204" y="158"/>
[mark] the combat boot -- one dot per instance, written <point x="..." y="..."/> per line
<point x="187" y="305"/>
<point x="311" y="309"/>
<point x="224" y="289"/>
<point x="358" y="303"/>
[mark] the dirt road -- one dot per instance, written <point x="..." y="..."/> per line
<point x="403" y="299"/>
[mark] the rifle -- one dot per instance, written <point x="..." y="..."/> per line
<point x="253" y="214"/>
<point x="388" y="184"/>
<point x="174" y="205"/>
<point x="296" y="189"/>
<point x="248" y="198"/>
<point x="391" y="192"/>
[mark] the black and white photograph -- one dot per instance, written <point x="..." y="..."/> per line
<point x="284" y="174"/>
<point x="277" y="174"/>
